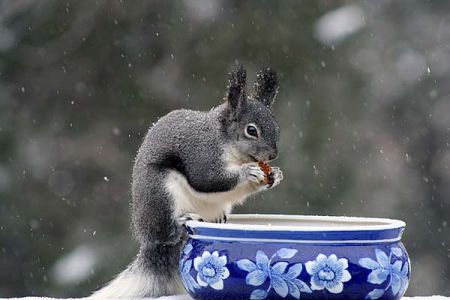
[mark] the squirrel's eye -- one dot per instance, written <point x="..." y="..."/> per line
<point x="251" y="131"/>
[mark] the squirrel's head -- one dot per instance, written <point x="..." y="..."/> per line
<point x="249" y="124"/>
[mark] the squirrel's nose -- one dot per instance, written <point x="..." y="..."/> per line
<point x="273" y="155"/>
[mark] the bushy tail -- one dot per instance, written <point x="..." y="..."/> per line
<point x="137" y="282"/>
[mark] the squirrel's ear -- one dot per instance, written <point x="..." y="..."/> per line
<point x="266" y="87"/>
<point x="236" y="95"/>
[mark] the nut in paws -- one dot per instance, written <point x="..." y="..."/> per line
<point x="253" y="173"/>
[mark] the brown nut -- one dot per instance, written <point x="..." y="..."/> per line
<point x="265" y="167"/>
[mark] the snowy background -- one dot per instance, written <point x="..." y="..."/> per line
<point x="364" y="109"/>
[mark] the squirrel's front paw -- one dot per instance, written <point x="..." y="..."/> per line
<point x="277" y="176"/>
<point x="252" y="172"/>
<point x="181" y="220"/>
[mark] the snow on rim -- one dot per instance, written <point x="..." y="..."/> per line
<point x="354" y="223"/>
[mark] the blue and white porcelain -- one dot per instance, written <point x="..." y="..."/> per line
<point x="295" y="257"/>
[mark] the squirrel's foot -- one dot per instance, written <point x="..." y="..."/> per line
<point x="181" y="220"/>
<point x="277" y="175"/>
<point x="221" y="219"/>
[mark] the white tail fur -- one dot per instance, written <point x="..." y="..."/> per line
<point x="139" y="284"/>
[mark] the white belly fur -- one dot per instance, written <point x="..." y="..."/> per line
<point x="208" y="205"/>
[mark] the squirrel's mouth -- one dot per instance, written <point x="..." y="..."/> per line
<point x="253" y="158"/>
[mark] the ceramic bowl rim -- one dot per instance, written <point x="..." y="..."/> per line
<point x="355" y="223"/>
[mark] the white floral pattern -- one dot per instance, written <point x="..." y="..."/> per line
<point x="211" y="270"/>
<point x="382" y="269"/>
<point x="282" y="279"/>
<point x="185" y="267"/>
<point x="328" y="273"/>
<point x="274" y="274"/>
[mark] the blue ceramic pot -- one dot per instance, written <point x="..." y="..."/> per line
<point x="295" y="257"/>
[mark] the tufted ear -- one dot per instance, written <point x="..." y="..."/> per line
<point x="236" y="95"/>
<point x="266" y="87"/>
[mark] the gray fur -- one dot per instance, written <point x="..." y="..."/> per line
<point x="192" y="145"/>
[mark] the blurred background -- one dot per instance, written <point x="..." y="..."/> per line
<point x="364" y="108"/>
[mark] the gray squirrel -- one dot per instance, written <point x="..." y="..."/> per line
<point x="195" y="165"/>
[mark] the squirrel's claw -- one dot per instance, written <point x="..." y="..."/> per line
<point x="253" y="173"/>
<point x="221" y="219"/>
<point x="181" y="220"/>
<point x="277" y="175"/>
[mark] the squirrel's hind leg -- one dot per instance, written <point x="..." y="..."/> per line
<point x="157" y="231"/>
